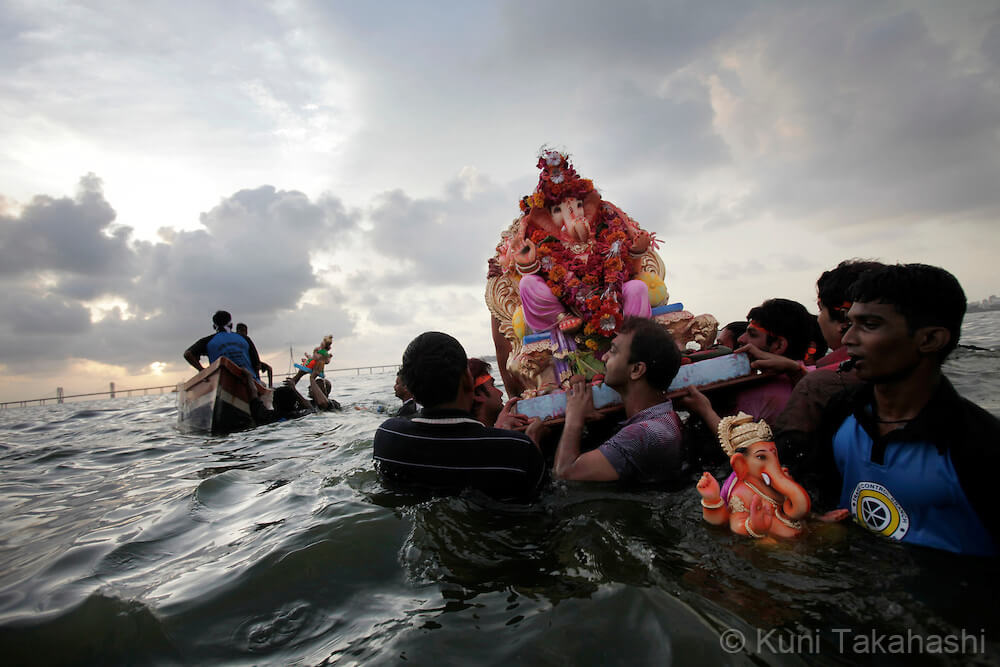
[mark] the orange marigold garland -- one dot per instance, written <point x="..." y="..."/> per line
<point x="589" y="284"/>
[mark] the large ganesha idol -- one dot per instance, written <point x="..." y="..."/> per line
<point x="566" y="273"/>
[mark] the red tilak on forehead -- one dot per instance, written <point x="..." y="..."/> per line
<point x="757" y="325"/>
<point x="481" y="380"/>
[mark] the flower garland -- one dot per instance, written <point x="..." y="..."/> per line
<point x="557" y="181"/>
<point x="589" y="283"/>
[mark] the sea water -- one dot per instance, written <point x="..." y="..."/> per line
<point x="124" y="541"/>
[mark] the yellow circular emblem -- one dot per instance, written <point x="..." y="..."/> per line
<point x="875" y="509"/>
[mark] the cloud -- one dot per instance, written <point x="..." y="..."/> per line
<point x="390" y="312"/>
<point x="32" y="315"/>
<point x="677" y="120"/>
<point x="868" y="114"/>
<point x="826" y="115"/>
<point x="991" y="44"/>
<point x="62" y="260"/>
<point x="446" y="240"/>
<point x="252" y="257"/>
<point x="647" y="38"/>
<point x="395" y="144"/>
<point x="68" y="239"/>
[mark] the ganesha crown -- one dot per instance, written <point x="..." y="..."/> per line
<point x="741" y="431"/>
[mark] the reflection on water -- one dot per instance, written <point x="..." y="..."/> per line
<point x="125" y="541"/>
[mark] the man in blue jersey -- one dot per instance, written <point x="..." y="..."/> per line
<point x="443" y="448"/>
<point x="909" y="457"/>
<point x="223" y="343"/>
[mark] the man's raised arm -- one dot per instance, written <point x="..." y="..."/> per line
<point x="569" y="462"/>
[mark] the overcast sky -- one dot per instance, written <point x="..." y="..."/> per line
<point x="347" y="167"/>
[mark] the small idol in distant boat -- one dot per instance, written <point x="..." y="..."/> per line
<point x="315" y="363"/>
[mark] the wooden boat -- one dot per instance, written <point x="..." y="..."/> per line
<point x="217" y="399"/>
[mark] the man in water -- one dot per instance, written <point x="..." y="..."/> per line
<point x="909" y="457"/>
<point x="409" y="406"/>
<point x="833" y="301"/>
<point x="223" y="343"/>
<point x="444" y="448"/>
<point x="729" y="334"/>
<point x="288" y="403"/>
<point x="814" y="386"/>
<point x="487" y="401"/>
<point x="780" y="327"/>
<point x="641" y="364"/>
<point x="319" y="394"/>
<point x="808" y="400"/>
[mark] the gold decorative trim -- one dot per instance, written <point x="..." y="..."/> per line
<point x="742" y="431"/>
<point x="503" y="300"/>
<point x="652" y="262"/>
<point x="746" y="524"/>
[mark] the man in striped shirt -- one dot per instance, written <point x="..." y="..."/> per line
<point x="443" y="448"/>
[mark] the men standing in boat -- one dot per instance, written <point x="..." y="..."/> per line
<point x="223" y="343"/>
<point x="641" y="364"/>
<point x="258" y="365"/>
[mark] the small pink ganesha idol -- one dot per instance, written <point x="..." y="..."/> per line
<point x="760" y="499"/>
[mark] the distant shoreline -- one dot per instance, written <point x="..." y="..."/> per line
<point x="980" y="308"/>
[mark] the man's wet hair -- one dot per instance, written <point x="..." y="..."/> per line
<point x="834" y="286"/>
<point x="924" y="295"/>
<point x="738" y="327"/>
<point x="784" y="317"/>
<point x="284" y="401"/>
<point x="653" y="345"/>
<point x="479" y="367"/>
<point x="433" y="365"/>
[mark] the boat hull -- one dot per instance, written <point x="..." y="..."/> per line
<point x="216" y="400"/>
